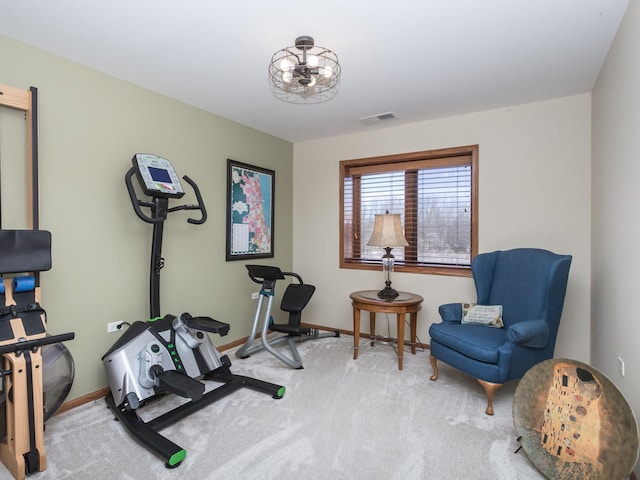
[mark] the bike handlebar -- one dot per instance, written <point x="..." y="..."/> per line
<point x="137" y="203"/>
<point x="199" y="206"/>
<point x="262" y="273"/>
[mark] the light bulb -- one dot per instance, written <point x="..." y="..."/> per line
<point x="286" y="65"/>
<point x="326" y="71"/>
<point x="287" y="77"/>
<point x="312" y="61"/>
<point x="312" y="82"/>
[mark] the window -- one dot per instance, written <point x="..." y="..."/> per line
<point x="436" y="194"/>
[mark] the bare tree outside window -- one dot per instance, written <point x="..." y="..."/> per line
<point x="435" y="193"/>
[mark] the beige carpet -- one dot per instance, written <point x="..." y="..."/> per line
<point x="339" y="419"/>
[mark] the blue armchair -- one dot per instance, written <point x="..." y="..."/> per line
<point x="530" y="285"/>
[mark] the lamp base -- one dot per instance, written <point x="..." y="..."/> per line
<point x="388" y="293"/>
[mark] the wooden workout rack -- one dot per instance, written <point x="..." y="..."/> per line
<point x="22" y="320"/>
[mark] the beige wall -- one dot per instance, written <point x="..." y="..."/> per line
<point x="90" y="127"/>
<point x="534" y="191"/>
<point x="616" y="223"/>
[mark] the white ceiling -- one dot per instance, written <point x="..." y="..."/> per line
<point x="421" y="59"/>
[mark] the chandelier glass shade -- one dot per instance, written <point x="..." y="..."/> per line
<point x="304" y="73"/>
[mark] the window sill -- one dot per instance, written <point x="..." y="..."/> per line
<point x="419" y="269"/>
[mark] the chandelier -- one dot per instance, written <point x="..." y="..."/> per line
<point x="304" y="73"/>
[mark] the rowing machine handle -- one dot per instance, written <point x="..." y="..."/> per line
<point x="24" y="345"/>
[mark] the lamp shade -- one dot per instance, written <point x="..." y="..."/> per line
<point x="387" y="231"/>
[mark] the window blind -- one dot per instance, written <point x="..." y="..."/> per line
<point x="434" y="197"/>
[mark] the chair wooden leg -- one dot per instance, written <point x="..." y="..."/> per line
<point x="489" y="390"/>
<point x="434" y="365"/>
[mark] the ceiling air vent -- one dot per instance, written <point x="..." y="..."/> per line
<point x="381" y="117"/>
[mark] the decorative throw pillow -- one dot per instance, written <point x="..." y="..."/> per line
<point x="490" y="315"/>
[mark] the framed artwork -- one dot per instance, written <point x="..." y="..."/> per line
<point x="250" y="202"/>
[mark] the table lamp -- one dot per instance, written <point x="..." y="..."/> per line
<point x="387" y="233"/>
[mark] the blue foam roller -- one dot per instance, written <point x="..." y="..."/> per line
<point x="1" y="286"/>
<point x="24" y="284"/>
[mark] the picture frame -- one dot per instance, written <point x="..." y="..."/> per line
<point x="250" y="211"/>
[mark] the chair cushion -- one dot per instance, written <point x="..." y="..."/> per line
<point x="475" y="341"/>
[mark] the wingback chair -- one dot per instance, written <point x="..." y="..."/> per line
<point x="530" y="285"/>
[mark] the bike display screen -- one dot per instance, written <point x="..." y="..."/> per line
<point x="157" y="176"/>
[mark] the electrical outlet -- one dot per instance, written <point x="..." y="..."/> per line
<point x="255" y="295"/>
<point x="114" y="326"/>
<point x="621" y="366"/>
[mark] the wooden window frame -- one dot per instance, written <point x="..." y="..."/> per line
<point x="467" y="155"/>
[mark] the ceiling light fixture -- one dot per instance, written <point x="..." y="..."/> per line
<point x="304" y="73"/>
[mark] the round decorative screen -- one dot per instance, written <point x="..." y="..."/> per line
<point x="574" y="423"/>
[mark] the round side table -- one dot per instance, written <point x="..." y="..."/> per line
<point x="405" y="303"/>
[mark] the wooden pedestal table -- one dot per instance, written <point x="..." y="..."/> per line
<point x="405" y="303"/>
